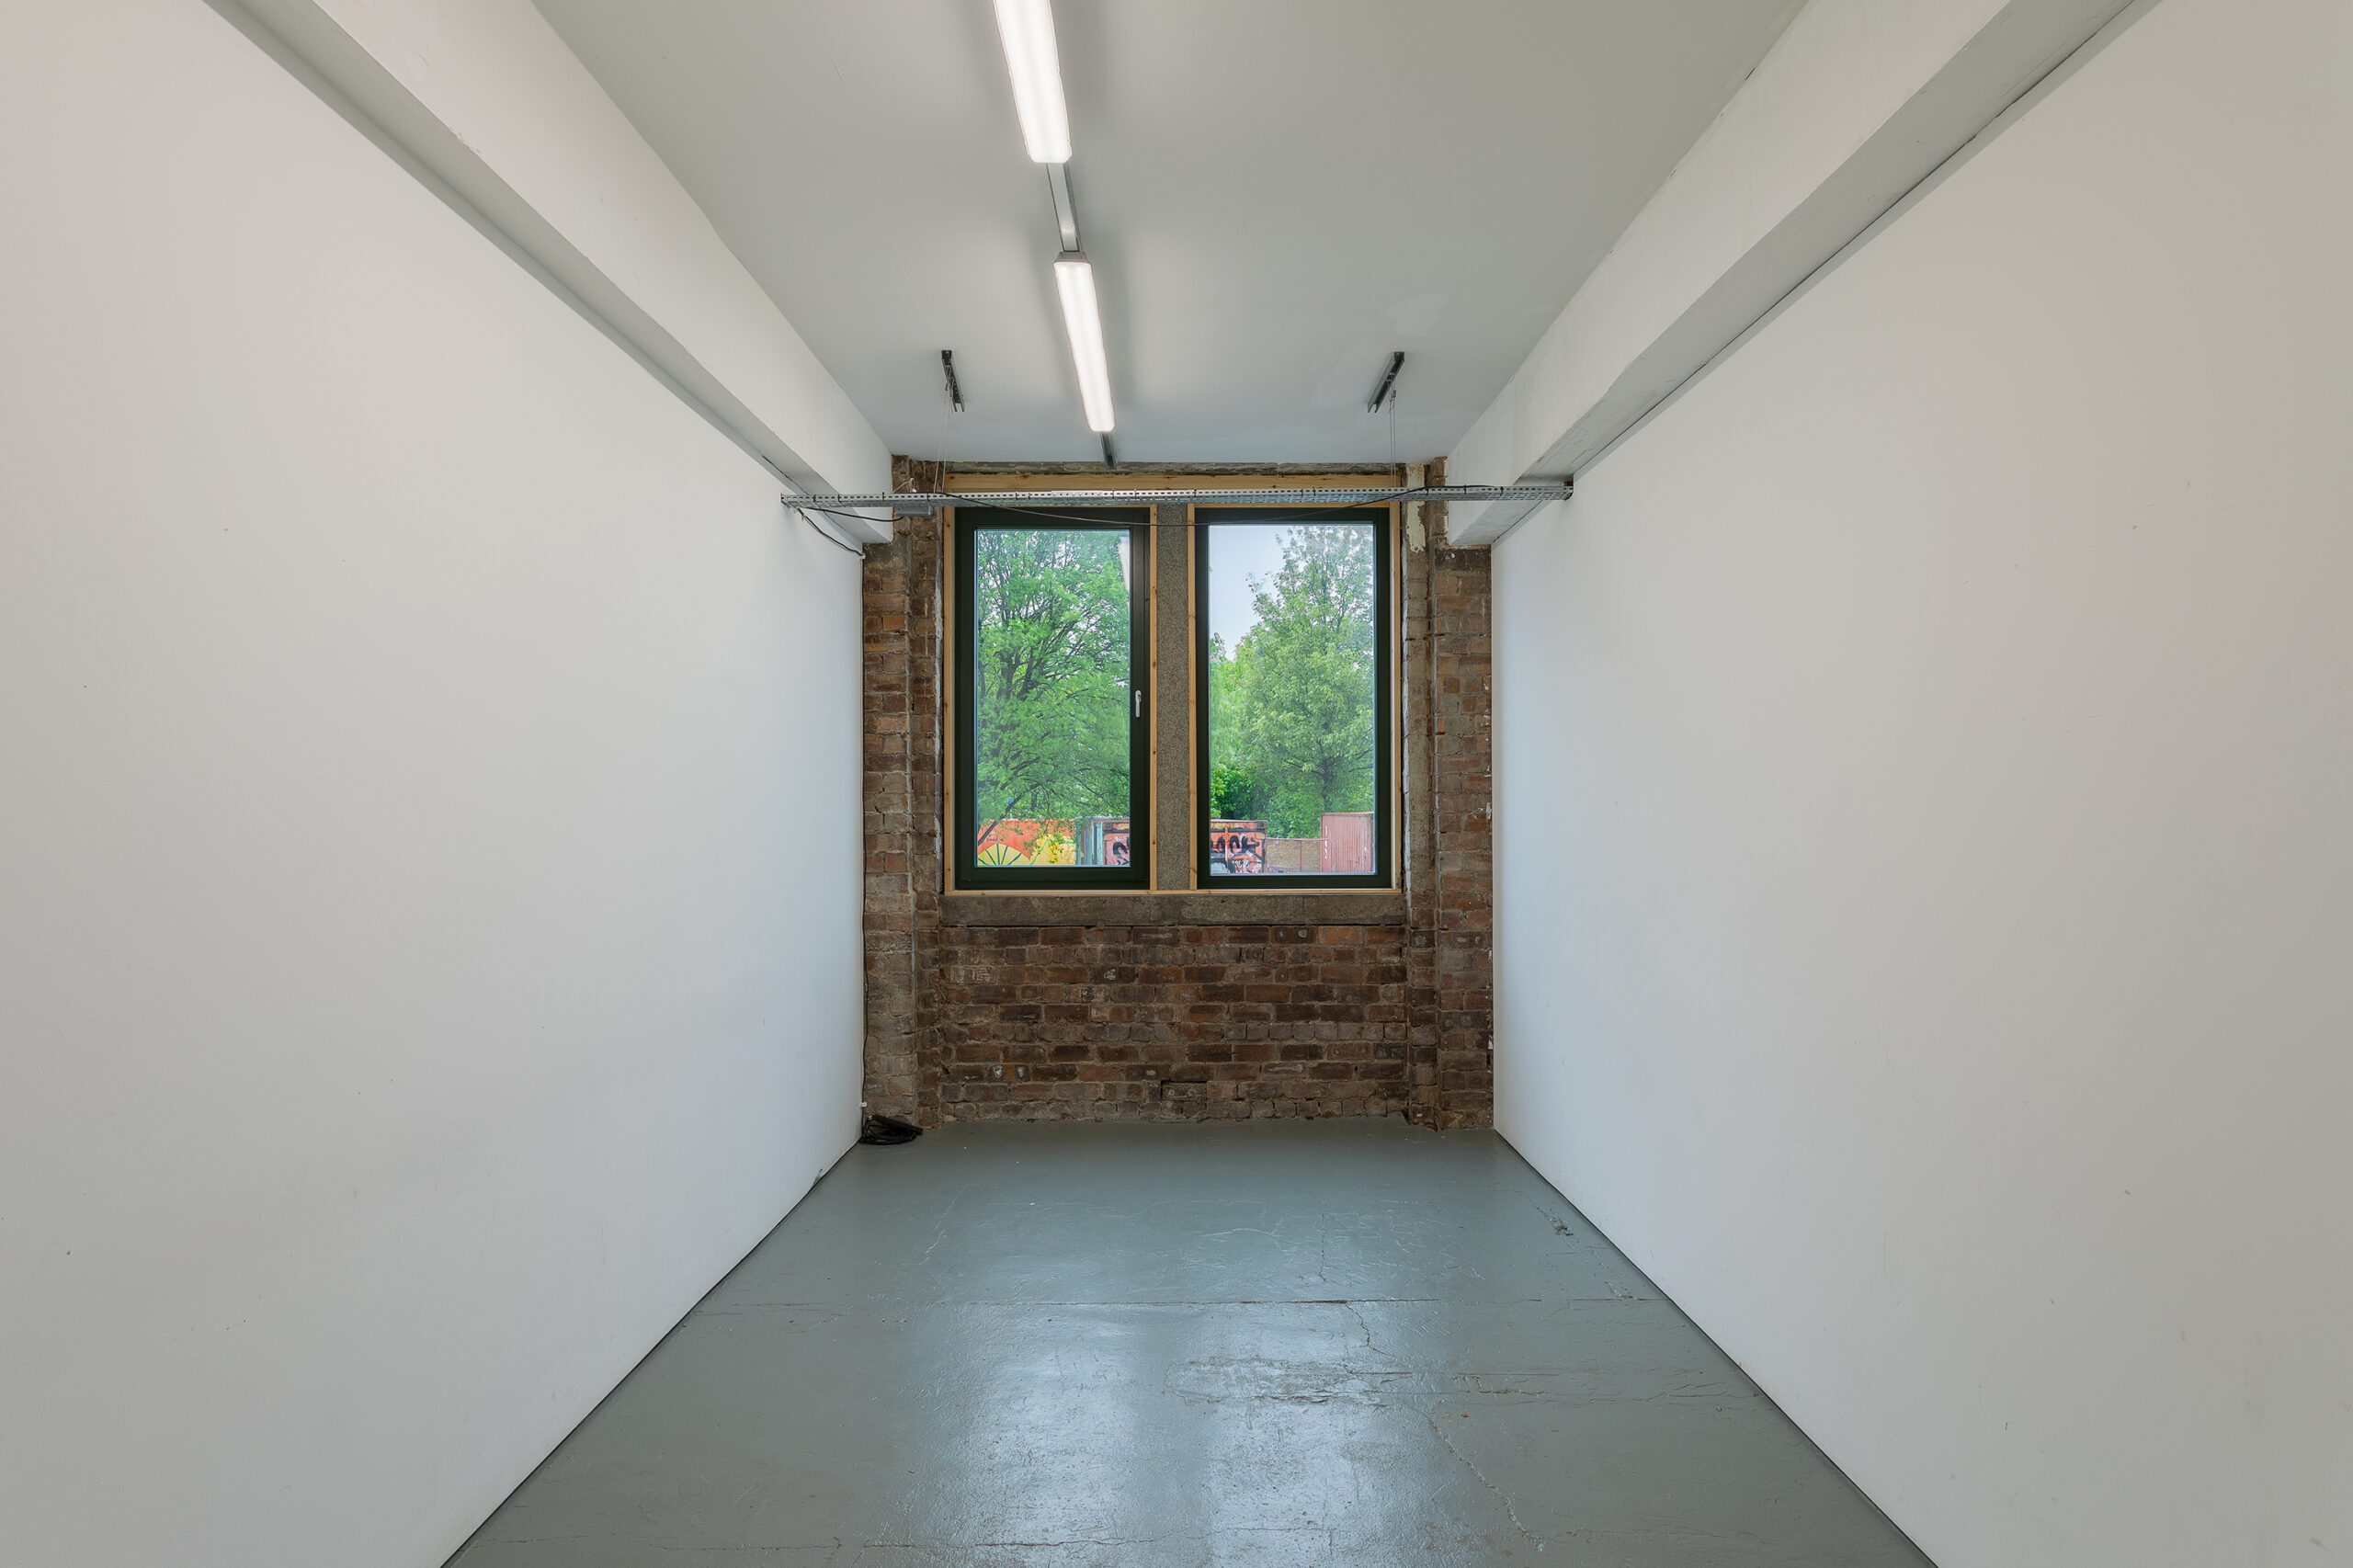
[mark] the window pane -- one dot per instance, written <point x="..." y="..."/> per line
<point x="1292" y="730"/>
<point x="1050" y="698"/>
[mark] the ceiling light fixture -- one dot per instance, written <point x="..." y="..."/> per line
<point x="1027" y="29"/>
<point x="1074" y="279"/>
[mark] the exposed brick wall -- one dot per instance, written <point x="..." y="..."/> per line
<point x="1083" y="1015"/>
<point x="900" y="590"/>
<point x="1462" y="697"/>
<point x="1449" y="872"/>
<point x="1195" y="1021"/>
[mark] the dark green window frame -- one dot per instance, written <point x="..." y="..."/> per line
<point x="1206" y="521"/>
<point x="969" y="523"/>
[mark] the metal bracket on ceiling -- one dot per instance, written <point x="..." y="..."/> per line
<point x="1388" y="382"/>
<point x="1066" y="210"/>
<point x="955" y="393"/>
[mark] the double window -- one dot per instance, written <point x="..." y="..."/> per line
<point x="1290" y="686"/>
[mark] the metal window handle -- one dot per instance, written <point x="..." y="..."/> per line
<point x="1139" y="712"/>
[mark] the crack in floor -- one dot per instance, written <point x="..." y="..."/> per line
<point x="1511" y="1511"/>
<point x="943" y="1220"/>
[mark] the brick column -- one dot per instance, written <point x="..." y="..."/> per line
<point x="1450" y="865"/>
<point x="1461" y="687"/>
<point x="900" y="590"/>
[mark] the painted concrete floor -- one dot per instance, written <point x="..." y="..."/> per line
<point x="1280" y="1344"/>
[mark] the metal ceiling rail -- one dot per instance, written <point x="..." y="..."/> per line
<point x="922" y="504"/>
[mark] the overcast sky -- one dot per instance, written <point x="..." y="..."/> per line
<point x="1243" y="550"/>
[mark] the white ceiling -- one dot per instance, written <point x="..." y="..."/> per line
<point x="1275" y="195"/>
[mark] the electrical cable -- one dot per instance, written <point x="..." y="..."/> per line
<point x="821" y="533"/>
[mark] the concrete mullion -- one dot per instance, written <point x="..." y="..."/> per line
<point x="1172" y="783"/>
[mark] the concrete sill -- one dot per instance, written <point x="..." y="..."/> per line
<point x="1328" y="906"/>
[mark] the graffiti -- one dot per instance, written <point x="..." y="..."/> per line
<point x="1240" y="848"/>
<point x="1237" y="848"/>
<point x="1020" y="841"/>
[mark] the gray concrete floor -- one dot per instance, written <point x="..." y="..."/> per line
<point x="1282" y="1342"/>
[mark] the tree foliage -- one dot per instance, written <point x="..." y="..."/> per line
<point x="1050" y="628"/>
<point x="1292" y="705"/>
<point x="1234" y="793"/>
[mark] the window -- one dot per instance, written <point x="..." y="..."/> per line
<point x="1291" y="622"/>
<point x="1051" y="736"/>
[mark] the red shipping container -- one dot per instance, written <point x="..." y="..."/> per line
<point x="1348" y="843"/>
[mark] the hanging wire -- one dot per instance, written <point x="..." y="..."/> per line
<point x="829" y="539"/>
<point x="945" y="409"/>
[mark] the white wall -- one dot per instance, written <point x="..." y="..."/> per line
<point x="429" y="815"/>
<point x="1925" y="765"/>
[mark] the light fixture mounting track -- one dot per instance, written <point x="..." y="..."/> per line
<point x="1065" y="209"/>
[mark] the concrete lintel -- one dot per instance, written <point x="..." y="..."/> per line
<point x="489" y="100"/>
<point x="1856" y="103"/>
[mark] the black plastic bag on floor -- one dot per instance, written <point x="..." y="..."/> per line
<point x="889" y="1129"/>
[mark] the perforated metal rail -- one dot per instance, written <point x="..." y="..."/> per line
<point x="922" y="504"/>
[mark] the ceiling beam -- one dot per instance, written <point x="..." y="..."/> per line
<point x="1856" y="103"/>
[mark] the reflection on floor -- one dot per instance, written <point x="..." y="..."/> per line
<point x="1345" y="1343"/>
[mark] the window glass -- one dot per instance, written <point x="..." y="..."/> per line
<point x="1294" y="714"/>
<point x="1051" y="707"/>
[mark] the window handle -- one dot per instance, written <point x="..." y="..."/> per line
<point x="1139" y="712"/>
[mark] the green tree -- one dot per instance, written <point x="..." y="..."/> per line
<point x="1233" y="788"/>
<point x="1292" y="705"/>
<point x="1234" y="793"/>
<point x="1050" y="680"/>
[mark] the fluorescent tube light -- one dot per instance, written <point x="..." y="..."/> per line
<point x="1074" y="278"/>
<point x="1026" y="27"/>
